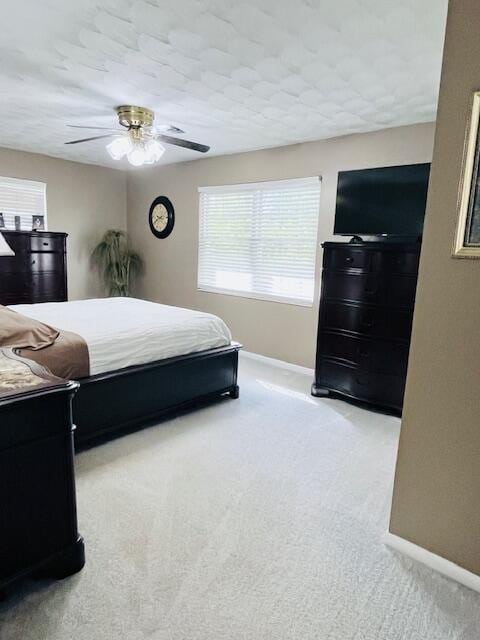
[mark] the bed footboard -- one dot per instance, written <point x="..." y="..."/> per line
<point x="132" y="397"/>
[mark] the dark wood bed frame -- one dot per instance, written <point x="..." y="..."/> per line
<point x="129" y="398"/>
<point x="126" y="398"/>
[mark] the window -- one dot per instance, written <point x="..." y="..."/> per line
<point x="25" y="199"/>
<point x="259" y="240"/>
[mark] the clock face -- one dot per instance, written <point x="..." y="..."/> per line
<point x="161" y="217"/>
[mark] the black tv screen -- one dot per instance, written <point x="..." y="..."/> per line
<point x="384" y="201"/>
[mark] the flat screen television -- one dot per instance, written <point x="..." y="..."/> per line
<point x="387" y="201"/>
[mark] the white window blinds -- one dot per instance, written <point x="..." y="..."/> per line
<point x="259" y="240"/>
<point x="25" y="199"/>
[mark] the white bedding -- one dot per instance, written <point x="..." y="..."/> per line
<point x="121" y="332"/>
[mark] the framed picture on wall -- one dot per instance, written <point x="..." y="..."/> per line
<point x="467" y="235"/>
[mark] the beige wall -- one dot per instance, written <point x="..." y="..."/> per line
<point x="437" y="487"/>
<point x="82" y="200"/>
<point x="277" y="330"/>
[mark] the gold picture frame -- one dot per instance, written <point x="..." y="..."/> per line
<point x="467" y="234"/>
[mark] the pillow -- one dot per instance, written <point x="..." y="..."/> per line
<point x="20" y="332"/>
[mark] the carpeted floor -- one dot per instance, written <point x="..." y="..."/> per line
<point x="260" y="518"/>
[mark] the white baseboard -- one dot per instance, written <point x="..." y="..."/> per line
<point x="278" y="363"/>
<point x="431" y="560"/>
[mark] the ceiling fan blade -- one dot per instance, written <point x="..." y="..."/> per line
<point x="173" y="129"/>
<point x="81" y="126"/>
<point x="157" y="129"/>
<point x="194" y="146"/>
<point x="109" y="135"/>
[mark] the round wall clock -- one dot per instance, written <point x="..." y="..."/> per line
<point x="161" y="217"/>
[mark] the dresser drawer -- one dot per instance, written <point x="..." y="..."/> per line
<point x="31" y="262"/>
<point x="377" y="388"/>
<point x="347" y="257"/>
<point x="13" y="283"/>
<point x="38" y="262"/>
<point x="396" y="262"/>
<point x="371" y="260"/>
<point x="48" y="287"/>
<point x="376" y="288"/>
<point x="22" y="297"/>
<point x="14" y="264"/>
<point x="379" y="322"/>
<point x="47" y="243"/>
<point x="377" y="356"/>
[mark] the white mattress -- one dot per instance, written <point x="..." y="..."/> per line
<point x="121" y="332"/>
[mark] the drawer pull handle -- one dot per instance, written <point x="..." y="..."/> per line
<point x="363" y="352"/>
<point x="367" y="322"/>
<point x="348" y="259"/>
<point x="45" y="244"/>
<point x="371" y="290"/>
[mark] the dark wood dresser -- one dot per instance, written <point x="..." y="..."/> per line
<point x="365" y="321"/>
<point x="38" y="518"/>
<point x="37" y="272"/>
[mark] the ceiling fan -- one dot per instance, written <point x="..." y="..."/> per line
<point x="140" y="141"/>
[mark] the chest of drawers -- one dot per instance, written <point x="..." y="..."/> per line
<point x="38" y="270"/>
<point x="365" y="321"/>
<point x="38" y="518"/>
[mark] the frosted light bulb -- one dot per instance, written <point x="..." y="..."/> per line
<point x="119" y="147"/>
<point x="154" y="151"/>
<point x="137" y="156"/>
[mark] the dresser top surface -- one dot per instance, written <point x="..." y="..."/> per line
<point x="40" y="234"/>
<point x="373" y="246"/>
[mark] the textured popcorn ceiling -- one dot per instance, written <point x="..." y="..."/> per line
<point x="235" y="74"/>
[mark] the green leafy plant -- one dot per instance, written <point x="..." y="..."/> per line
<point x="116" y="262"/>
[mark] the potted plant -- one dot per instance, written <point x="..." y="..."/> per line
<point x="116" y="262"/>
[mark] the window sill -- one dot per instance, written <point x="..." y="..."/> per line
<point x="257" y="296"/>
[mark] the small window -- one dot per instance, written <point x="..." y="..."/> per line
<point x="259" y="240"/>
<point x="23" y="204"/>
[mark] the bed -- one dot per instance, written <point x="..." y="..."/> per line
<point x="145" y="359"/>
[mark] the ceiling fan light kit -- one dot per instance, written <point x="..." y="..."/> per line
<point x="140" y="143"/>
<point x="138" y="152"/>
